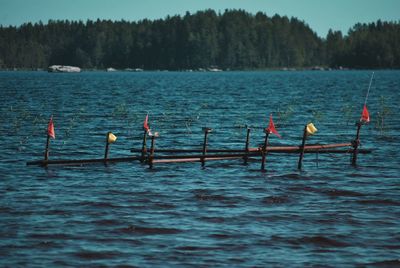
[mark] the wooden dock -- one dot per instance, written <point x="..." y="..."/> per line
<point x="155" y="155"/>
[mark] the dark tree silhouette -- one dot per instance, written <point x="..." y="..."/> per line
<point x="234" y="39"/>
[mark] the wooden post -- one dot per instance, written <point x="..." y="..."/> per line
<point x="356" y="143"/>
<point x="302" y="147"/>
<point x="46" y="152"/>
<point x="206" y="131"/>
<point x="144" y="148"/>
<point x="246" y="148"/>
<point x="107" y="146"/>
<point x="264" y="149"/>
<point x="151" y="157"/>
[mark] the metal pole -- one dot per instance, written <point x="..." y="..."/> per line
<point x="264" y="149"/>
<point x="302" y="148"/>
<point x="206" y="130"/>
<point x="107" y="145"/>
<point x="144" y="148"/>
<point x="246" y="157"/>
<point x="151" y="157"/>
<point x="356" y="143"/>
<point x="46" y="152"/>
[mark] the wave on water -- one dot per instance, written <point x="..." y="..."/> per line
<point x="228" y="214"/>
<point x="139" y="230"/>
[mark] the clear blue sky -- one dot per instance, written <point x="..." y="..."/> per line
<point x="319" y="14"/>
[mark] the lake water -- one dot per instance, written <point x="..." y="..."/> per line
<point x="224" y="215"/>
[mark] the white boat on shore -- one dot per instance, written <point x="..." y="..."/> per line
<point x="214" y="69"/>
<point x="63" y="69"/>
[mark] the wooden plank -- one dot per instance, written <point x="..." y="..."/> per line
<point x="201" y="156"/>
<point x="190" y="158"/>
<point x="270" y="149"/>
<point x="339" y="151"/>
<point x="296" y="149"/>
<point x="82" y="161"/>
<point x="195" y="150"/>
<point x="322" y="151"/>
<point x="308" y="147"/>
<point x="197" y="159"/>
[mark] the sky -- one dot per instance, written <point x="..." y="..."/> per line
<point x="320" y="15"/>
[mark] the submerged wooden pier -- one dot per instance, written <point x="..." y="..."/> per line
<point x="153" y="155"/>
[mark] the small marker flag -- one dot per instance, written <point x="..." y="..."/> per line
<point x="146" y="123"/>
<point x="311" y="129"/>
<point x="365" y="115"/>
<point x="50" y="128"/>
<point x="111" y="138"/>
<point x="271" y="127"/>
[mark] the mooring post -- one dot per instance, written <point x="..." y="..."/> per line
<point x="264" y="149"/>
<point x="107" y="146"/>
<point x="302" y="147"/>
<point x="144" y="148"/>
<point x="246" y="148"/>
<point x="356" y="143"/>
<point x="46" y="152"/>
<point x="151" y="157"/>
<point x="206" y="131"/>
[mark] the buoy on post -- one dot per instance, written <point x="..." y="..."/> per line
<point x="110" y="138"/>
<point x="309" y="130"/>
<point x="204" y="151"/>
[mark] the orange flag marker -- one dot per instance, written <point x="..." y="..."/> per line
<point x="365" y="115"/>
<point x="146" y="123"/>
<point x="271" y="127"/>
<point x="50" y="128"/>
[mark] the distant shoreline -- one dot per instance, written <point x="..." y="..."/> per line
<point x="205" y="71"/>
<point x="205" y="40"/>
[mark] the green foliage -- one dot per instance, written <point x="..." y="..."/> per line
<point x="318" y="116"/>
<point x="74" y="119"/>
<point x="374" y="45"/>
<point x="284" y="113"/>
<point x="381" y="116"/>
<point x="233" y="39"/>
<point x="348" y="112"/>
<point x="120" y="111"/>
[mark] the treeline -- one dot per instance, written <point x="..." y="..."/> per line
<point x="232" y="40"/>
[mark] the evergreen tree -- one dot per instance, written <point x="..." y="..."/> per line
<point x="234" y="39"/>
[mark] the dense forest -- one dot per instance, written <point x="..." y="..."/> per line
<point x="231" y="40"/>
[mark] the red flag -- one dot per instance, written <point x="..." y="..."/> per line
<point x="365" y="115"/>
<point x="146" y="123"/>
<point x="50" y="128"/>
<point x="271" y="127"/>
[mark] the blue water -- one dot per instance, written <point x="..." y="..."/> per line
<point x="224" y="215"/>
